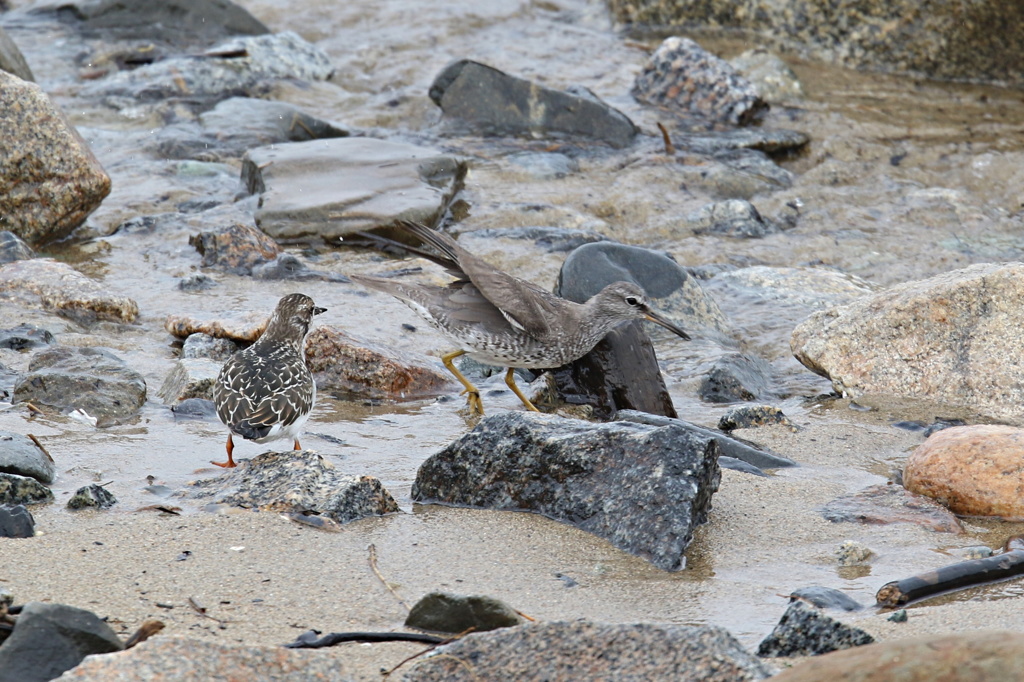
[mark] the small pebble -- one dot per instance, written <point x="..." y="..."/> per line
<point x="898" y="616"/>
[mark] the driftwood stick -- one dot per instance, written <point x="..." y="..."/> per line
<point x="309" y="640"/>
<point x="373" y="564"/>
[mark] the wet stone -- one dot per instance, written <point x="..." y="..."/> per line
<point x="326" y="189"/>
<point x="13" y="248"/>
<point x="731" y="218"/>
<point x="643" y="488"/>
<point x="11" y="59"/>
<point x="240" y="123"/>
<point x="236" y="248"/>
<point x="51" y="638"/>
<point x="20" y="455"/>
<point x="234" y="67"/>
<point x="805" y="630"/>
<point x="299" y="481"/>
<point x="206" y="347"/>
<point x="244" y="328"/>
<point x="815" y="288"/>
<point x="481" y="99"/>
<point x="92" y="380"/>
<point x="288" y="266"/>
<point x="59" y="288"/>
<point x="190" y="378"/>
<point x="561" y="650"/>
<point x="44" y="200"/>
<point x="685" y="78"/>
<point x="455" y="613"/>
<point x="25" y="337"/>
<point x="772" y="77"/>
<point x="826" y="598"/>
<point x="736" y="377"/>
<point x="343" y="364"/>
<point x="16" y="489"/>
<point x="197" y="283"/>
<point x="16" y="522"/>
<point x="545" y="166"/>
<point x="752" y="416"/>
<point x="194" y="408"/>
<point x="770" y="142"/>
<point x="92" y="496"/>
<point x="853" y="553"/>
<point x="882" y="504"/>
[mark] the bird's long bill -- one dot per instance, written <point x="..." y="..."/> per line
<point x="317" y="311"/>
<point x="656" y="317"/>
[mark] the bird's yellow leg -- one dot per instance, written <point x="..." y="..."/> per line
<point x="476" y="405"/>
<point x="510" y="380"/>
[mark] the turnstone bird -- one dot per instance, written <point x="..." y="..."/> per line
<point x="266" y="391"/>
<point x="501" y="320"/>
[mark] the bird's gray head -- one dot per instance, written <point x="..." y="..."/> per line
<point x="623" y="301"/>
<point x="292" y="318"/>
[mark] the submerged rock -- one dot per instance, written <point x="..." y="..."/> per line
<point x="490" y="102"/>
<point x="880" y="504"/>
<point x="20" y="455"/>
<point x="826" y="598"/>
<point x="51" y="638"/>
<point x="60" y="288"/>
<point x="731" y="218"/>
<point x="297" y="480"/>
<point x="805" y="630"/>
<point x="685" y="78"/>
<point x="972" y="470"/>
<point x="50" y="181"/>
<point x="94" y="496"/>
<point x="326" y="189"/>
<point x="16" y="489"/>
<point x="954" y="338"/>
<point x="205" y="347"/>
<point x="25" y="337"/>
<point x="91" y="380"/>
<point x="455" y="613"/>
<point x="736" y="377"/>
<point x="643" y="488"/>
<point x="347" y="365"/>
<point x="13" y="248"/>
<point x="596" y="652"/>
<point x="770" y="76"/>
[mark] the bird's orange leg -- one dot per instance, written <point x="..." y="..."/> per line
<point x="297" y="446"/>
<point x="230" y="447"/>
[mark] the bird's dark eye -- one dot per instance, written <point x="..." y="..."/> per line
<point x="632" y="300"/>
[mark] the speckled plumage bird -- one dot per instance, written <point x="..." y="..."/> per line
<point x="501" y="320"/>
<point x="266" y="391"/>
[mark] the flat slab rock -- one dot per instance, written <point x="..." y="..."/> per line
<point x="297" y="480"/>
<point x="325" y="189"/>
<point x="880" y="504"/>
<point x="643" y="488"/>
<point x="246" y="327"/>
<point x="595" y="652"/>
<point x="178" y="658"/>
<point x="953" y="338"/>
<point x="47" y="198"/>
<point x="345" y="364"/>
<point x="59" y="288"/>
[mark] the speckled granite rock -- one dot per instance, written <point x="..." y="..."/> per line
<point x="772" y="77"/>
<point x="456" y="613"/>
<point x="297" y="480"/>
<point x="972" y="470"/>
<point x="228" y="69"/>
<point x="752" y="417"/>
<point x="969" y="656"/>
<point x="16" y="489"/>
<point x="345" y="364"/>
<point x="880" y="504"/>
<point x="177" y="659"/>
<point x="190" y="378"/>
<point x="204" y="347"/>
<point x="325" y="189"/>
<point x="953" y="338"/>
<point x="805" y="630"/>
<point x="25" y="337"/>
<point x="595" y="652"/>
<point x="235" y="248"/>
<point x="49" y="179"/>
<point x="685" y="78"/>
<point x="955" y="39"/>
<point x="92" y="380"/>
<point x="643" y="488"/>
<point x="11" y="59"/>
<point x="731" y="218"/>
<point x="20" y="455"/>
<point x="59" y="288"/>
<point x="484" y="100"/>
<point x="92" y="496"/>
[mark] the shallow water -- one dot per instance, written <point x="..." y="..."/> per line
<point x="903" y="179"/>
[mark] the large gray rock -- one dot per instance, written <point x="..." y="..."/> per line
<point x="59" y="288"/>
<point x="178" y="658"/>
<point x="226" y="70"/>
<point x="11" y="59"/>
<point x="643" y="488"/>
<point x="325" y="189"/>
<point x="805" y="630"/>
<point x="490" y="102"/>
<point x="92" y="380"/>
<point x="300" y="481"/>
<point x="49" y="179"/>
<point x="51" y="638"/>
<point x="178" y="21"/>
<point x="954" y="338"/>
<point x="20" y="455"/>
<point x="16" y="489"/>
<point x="595" y="652"/>
<point x="456" y="613"/>
<point x="956" y="39"/>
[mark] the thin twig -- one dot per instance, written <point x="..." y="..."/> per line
<point x="40" y="446"/>
<point x="147" y="630"/>
<point x="385" y="673"/>
<point x="373" y="565"/>
<point x="670" y="148"/>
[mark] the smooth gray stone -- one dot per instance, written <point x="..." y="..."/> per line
<point x="16" y="522"/>
<point x="455" y="613"/>
<point x="21" y="456"/>
<point x="11" y="59"/>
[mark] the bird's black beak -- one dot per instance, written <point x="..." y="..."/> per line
<point x="656" y="317"/>
<point x="317" y="311"/>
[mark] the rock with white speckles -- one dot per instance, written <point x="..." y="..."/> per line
<point x="805" y="630"/>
